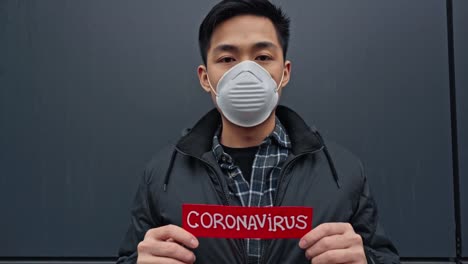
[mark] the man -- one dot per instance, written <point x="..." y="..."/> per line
<point x="251" y="152"/>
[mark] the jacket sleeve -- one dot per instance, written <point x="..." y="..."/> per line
<point x="141" y="220"/>
<point x="378" y="248"/>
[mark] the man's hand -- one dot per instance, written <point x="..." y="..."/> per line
<point x="333" y="243"/>
<point x="166" y="245"/>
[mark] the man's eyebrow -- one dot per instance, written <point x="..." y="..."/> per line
<point x="265" y="45"/>
<point x="257" y="46"/>
<point x="225" y="47"/>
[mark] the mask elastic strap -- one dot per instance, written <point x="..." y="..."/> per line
<point x="281" y="81"/>
<point x="211" y="86"/>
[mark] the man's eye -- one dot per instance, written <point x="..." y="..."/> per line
<point x="263" y="58"/>
<point x="226" y="59"/>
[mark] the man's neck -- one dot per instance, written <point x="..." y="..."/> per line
<point x="235" y="136"/>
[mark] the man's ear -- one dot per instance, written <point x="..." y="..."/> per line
<point x="287" y="73"/>
<point x="203" y="77"/>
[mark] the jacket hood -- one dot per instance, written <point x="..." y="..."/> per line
<point x="304" y="139"/>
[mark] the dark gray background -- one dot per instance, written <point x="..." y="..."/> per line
<point x="460" y="27"/>
<point x="89" y="90"/>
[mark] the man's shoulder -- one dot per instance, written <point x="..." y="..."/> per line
<point x="159" y="162"/>
<point x="347" y="164"/>
<point x="339" y="151"/>
<point x="163" y="155"/>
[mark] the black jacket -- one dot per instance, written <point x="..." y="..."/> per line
<point x="324" y="176"/>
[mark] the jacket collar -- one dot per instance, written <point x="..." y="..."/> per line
<point x="200" y="138"/>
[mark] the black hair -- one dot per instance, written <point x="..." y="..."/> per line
<point x="227" y="9"/>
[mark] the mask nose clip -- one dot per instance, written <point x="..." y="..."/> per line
<point x="214" y="91"/>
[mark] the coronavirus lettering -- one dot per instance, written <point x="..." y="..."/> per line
<point x="246" y="222"/>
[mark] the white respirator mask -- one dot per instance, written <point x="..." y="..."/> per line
<point x="247" y="94"/>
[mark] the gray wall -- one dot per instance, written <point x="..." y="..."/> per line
<point x="89" y="90"/>
<point x="460" y="19"/>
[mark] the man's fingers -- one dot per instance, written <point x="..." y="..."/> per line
<point x="176" y="233"/>
<point x="166" y="249"/>
<point x="148" y="259"/>
<point x="328" y="243"/>
<point x="333" y="243"/>
<point x="333" y="257"/>
<point x="323" y="230"/>
<point x="173" y="250"/>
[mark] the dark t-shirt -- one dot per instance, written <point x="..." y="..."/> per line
<point x="244" y="158"/>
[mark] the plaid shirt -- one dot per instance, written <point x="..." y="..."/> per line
<point x="270" y="157"/>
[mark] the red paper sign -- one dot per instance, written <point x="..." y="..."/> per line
<point x="246" y="222"/>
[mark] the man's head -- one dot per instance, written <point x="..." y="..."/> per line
<point x="231" y="8"/>
<point x="238" y="30"/>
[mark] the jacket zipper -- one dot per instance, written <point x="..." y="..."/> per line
<point x="226" y="194"/>
<point x="275" y="202"/>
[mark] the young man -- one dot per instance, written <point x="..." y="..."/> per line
<point x="251" y="152"/>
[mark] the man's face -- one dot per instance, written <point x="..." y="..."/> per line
<point x="241" y="38"/>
